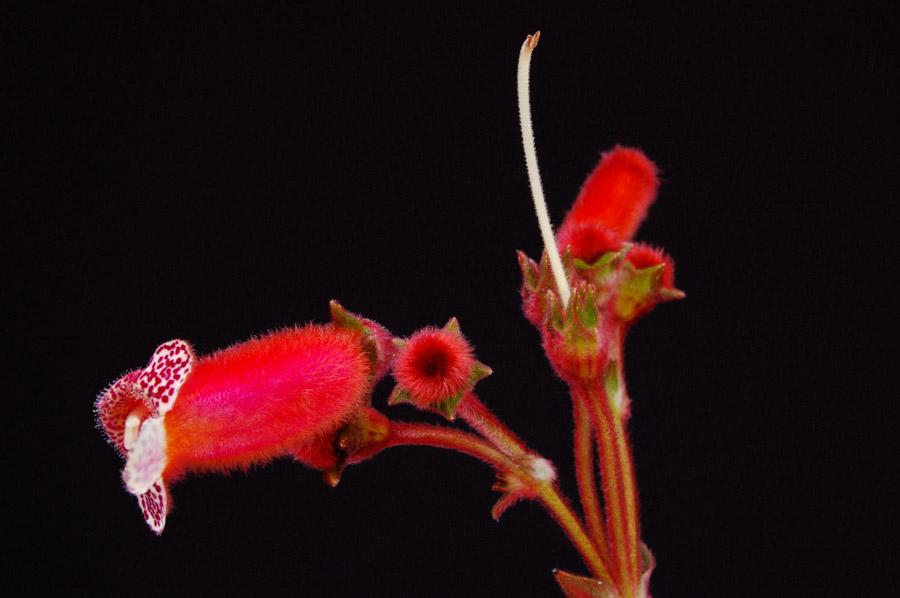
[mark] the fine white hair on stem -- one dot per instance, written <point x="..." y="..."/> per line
<point x="534" y="175"/>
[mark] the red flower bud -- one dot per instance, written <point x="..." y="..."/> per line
<point x="586" y="240"/>
<point x="434" y="365"/>
<point x="617" y="194"/>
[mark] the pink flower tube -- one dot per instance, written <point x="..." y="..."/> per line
<point x="276" y="395"/>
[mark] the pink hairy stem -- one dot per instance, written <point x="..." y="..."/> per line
<point x="411" y="434"/>
<point x="586" y="475"/>
<point x="619" y="487"/>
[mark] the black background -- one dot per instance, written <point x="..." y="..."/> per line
<point x="210" y="174"/>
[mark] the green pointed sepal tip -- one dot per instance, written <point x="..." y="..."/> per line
<point x="604" y="266"/>
<point x="582" y="308"/>
<point x="342" y="318"/>
<point x="638" y="289"/>
<point x="553" y="311"/>
<point x="546" y="280"/>
<point x="447" y="407"/>
<point x="479" y="372"/>
<point x="529" y="271"/>
<point x="399" y="396"/>
<point x="452" y="326"/>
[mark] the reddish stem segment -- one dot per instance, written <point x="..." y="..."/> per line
<point x="586" y="476"/>
<point x="482" y="420"/>
<point x="619" y="488"/>
<point x="407" y="434"/>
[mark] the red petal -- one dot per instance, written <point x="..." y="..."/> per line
<point x="586" y="240"/>
<point x="115" y="403"/>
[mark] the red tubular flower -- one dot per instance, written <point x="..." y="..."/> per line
<point x="434" y="369"/>
<point x="279" y="394"/>
<point x="615" y="196"/>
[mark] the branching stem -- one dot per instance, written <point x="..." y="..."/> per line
<point x="477" y="415"/>
<point x="619" y="487"/>
<point x="409" y="434"/>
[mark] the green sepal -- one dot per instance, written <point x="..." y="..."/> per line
<point x="452" y="326"/>
<point x="448" y="406"/>
<point x="638" y="288"/>
<point x="604" y="266"/>
<point x="342" y="318"/>
<point x="545" y="280"/>
<point x="601" y="262"/>
<point x="568" y="263"/>
<point x="479" y="372"/>
<point x="399" y="395"/>
<point x="585" y="307"/>
<point x="553" y="312"/>
<point x="581" y="319"/>
<point x="529" y="271"/>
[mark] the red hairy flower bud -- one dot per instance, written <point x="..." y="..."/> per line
<point x="434" y="369"/>
<point x="587" y="240"/>
<point x="617" y="194"/>
<point x="434" y="365"/>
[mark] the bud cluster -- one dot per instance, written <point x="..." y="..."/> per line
<point x="613" y="281"/>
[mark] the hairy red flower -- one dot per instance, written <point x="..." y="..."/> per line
<point x="587" y="240"/>
<point x="617" y="194"/>
<point x="434" y="365"/>
<point x="275" y="395"/>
